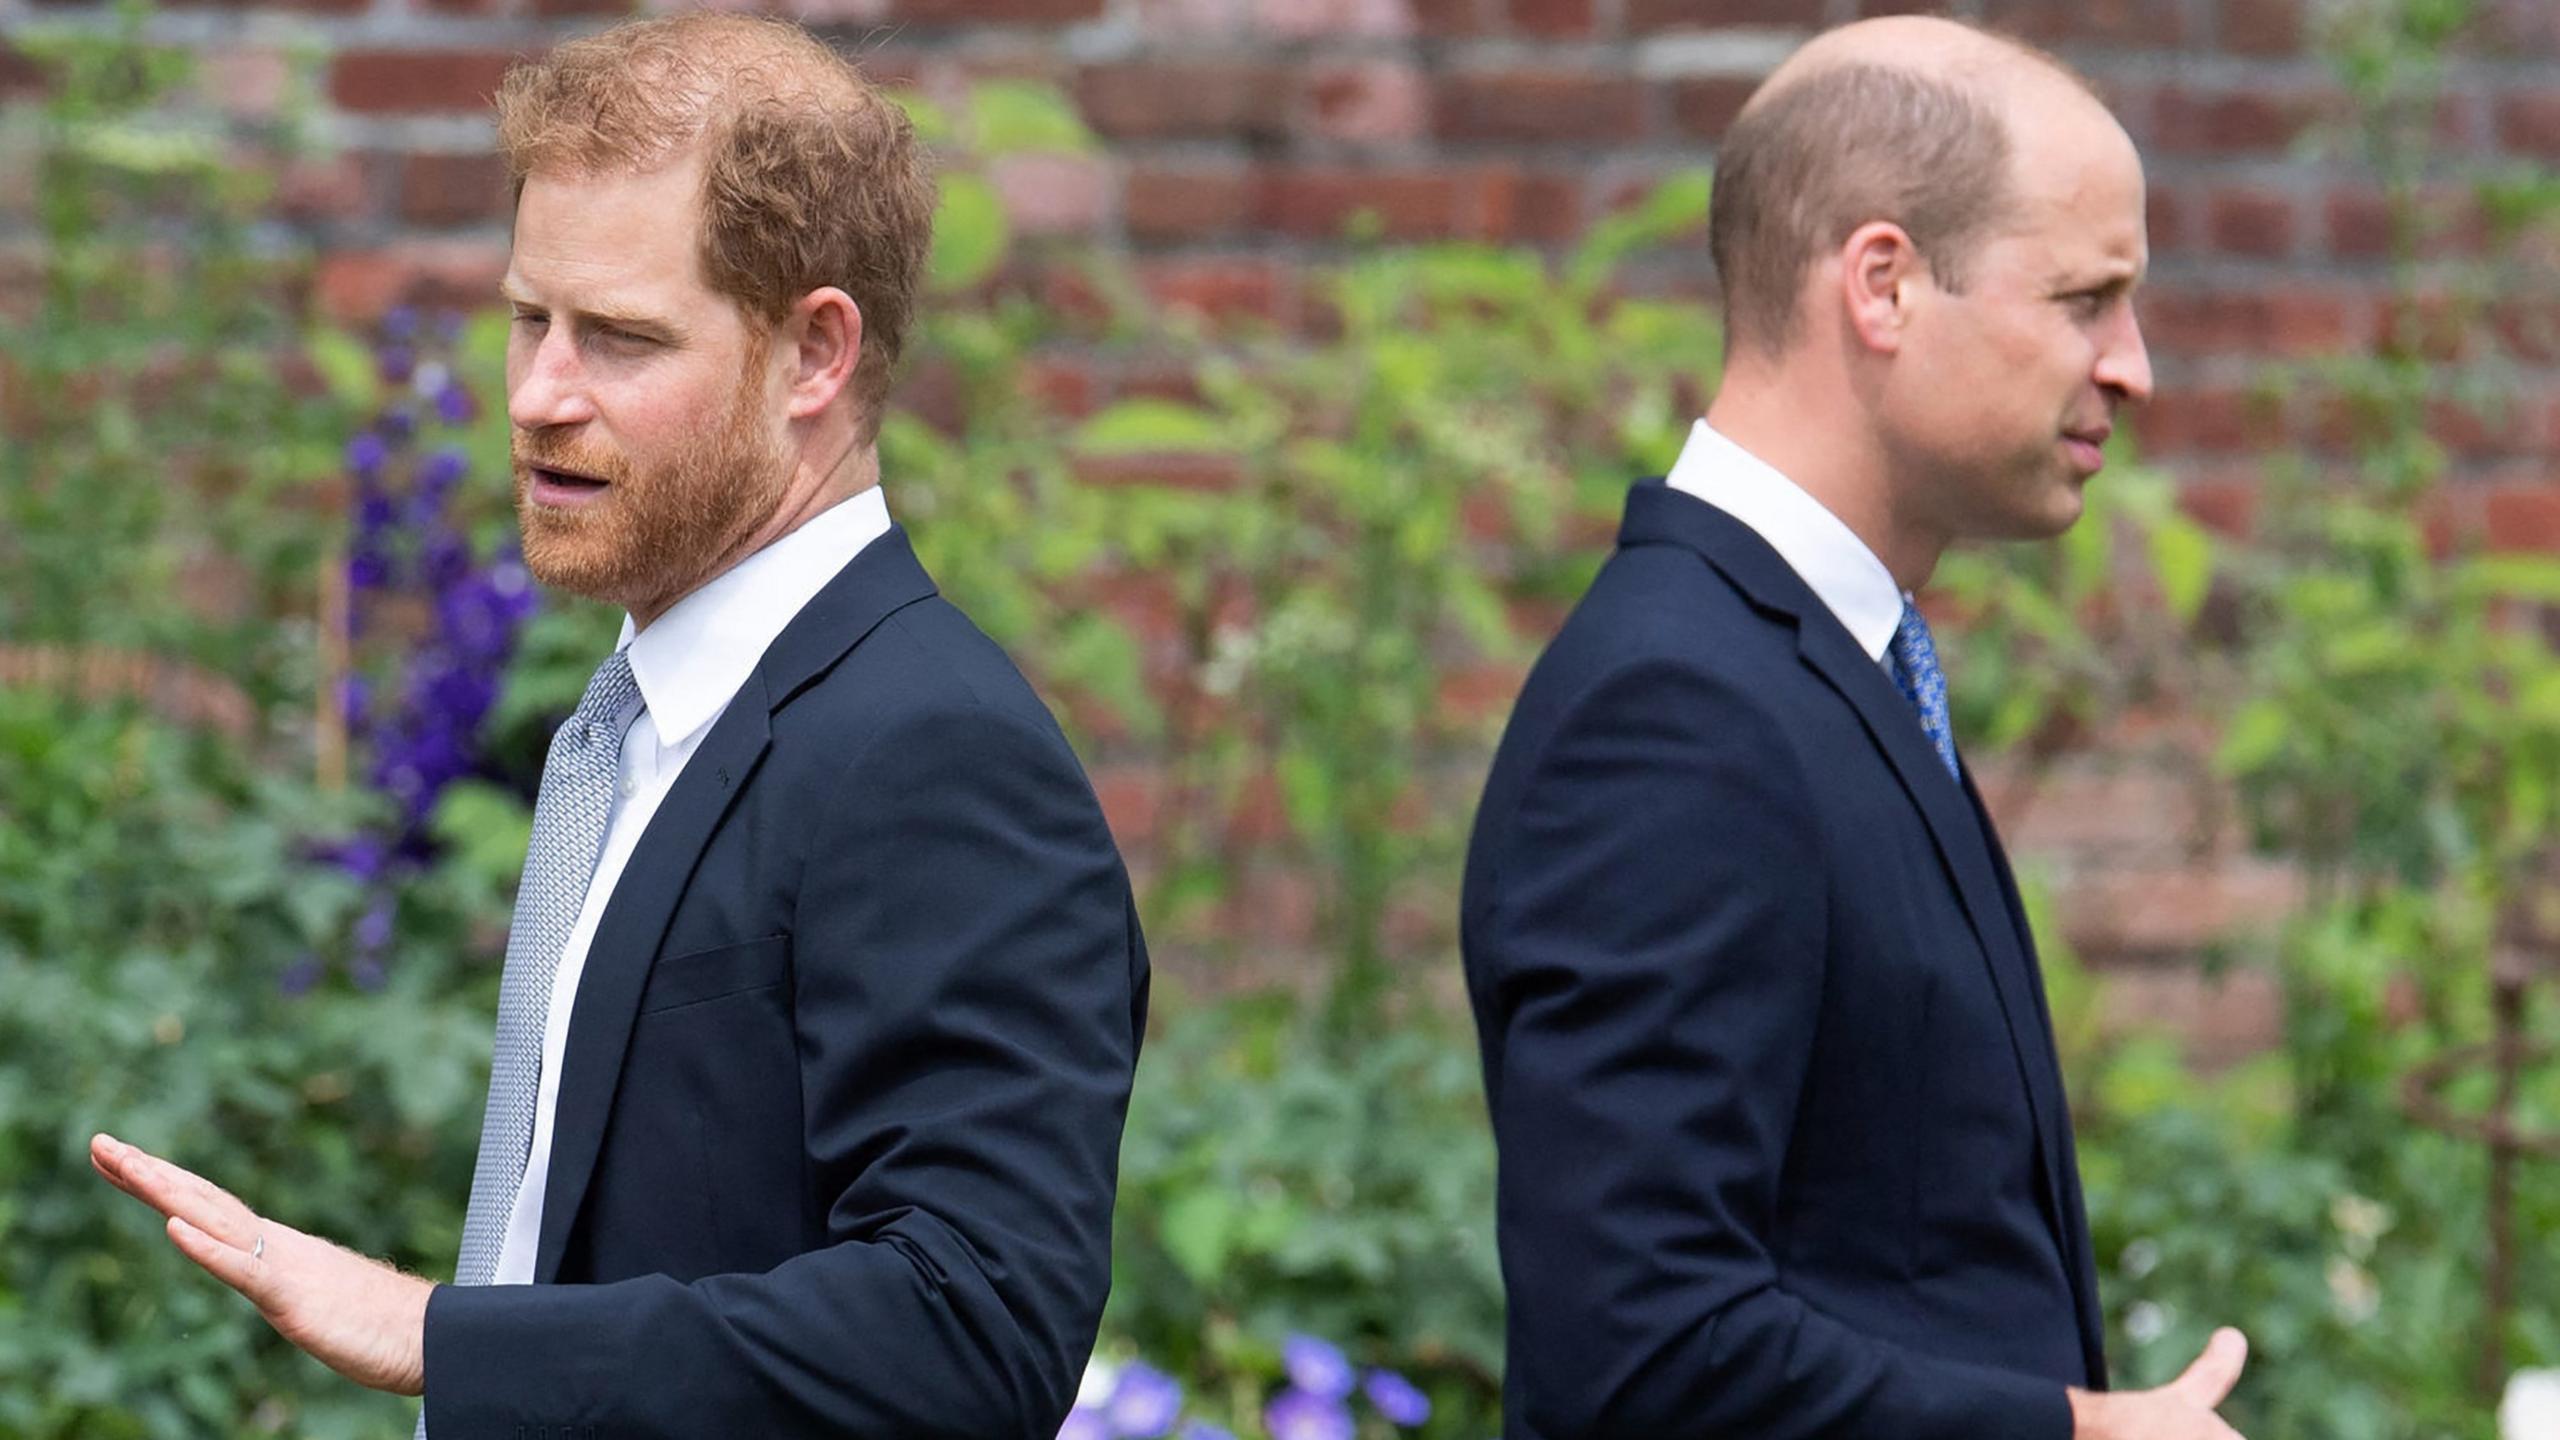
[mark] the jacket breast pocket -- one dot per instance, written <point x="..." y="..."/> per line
<point x="700" y="975"/>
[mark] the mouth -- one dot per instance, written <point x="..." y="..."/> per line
<point x="2087" y="448"/>
<point x="563" y="489"/>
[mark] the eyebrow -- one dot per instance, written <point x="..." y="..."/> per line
<point x="632" y="321"/>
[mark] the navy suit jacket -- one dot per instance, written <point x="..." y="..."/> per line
<point x="1784" y="1151"/>
<point x="840" y="1112"/>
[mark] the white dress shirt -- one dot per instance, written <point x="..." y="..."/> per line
<point x="689" y="663"/>
<point x="1816" y="544"/>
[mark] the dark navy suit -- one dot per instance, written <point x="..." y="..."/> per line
<point x="840" y="1110"/>
<point x="1784" y="1149"/>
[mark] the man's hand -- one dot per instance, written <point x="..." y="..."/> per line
<point x="359" y="1317"/>
<point x="2180" y="1410"/>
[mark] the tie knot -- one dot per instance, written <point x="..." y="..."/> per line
<point x="609" y="693"/>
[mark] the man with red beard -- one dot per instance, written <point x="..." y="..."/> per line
<point x="825" y="986"/>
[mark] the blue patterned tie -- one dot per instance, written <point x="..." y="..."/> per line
<point x="1915" y="670"/>
<point x="569" y="819"/>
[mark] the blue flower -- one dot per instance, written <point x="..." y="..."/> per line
<point x="1302" y="1415"/>
<point x="1145" y="1403"/>
<point x="1397" y="1399"/>
<point x="1316" y="1367"/>
<point x="365" y="454"/>
<point x="1083" y="1424"/>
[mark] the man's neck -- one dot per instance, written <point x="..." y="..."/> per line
<point x="1831" y="455"/>
<point x="809" y="495"/>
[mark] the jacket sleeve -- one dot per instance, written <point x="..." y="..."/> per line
<point x="970" y="988"/>
<point x="1656" y="926"/>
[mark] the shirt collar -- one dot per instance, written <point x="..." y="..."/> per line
<point x="1820" y="547"/>
<point x="691" y="660"/>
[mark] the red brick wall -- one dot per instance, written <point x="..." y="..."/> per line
<point x="1241" y="134"/>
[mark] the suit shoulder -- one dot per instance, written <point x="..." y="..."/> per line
<point x="927" y="668"/>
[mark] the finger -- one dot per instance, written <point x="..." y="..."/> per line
<point x="229" y="1264"/>
<point x="176" y="1191"/>
<point x="2208" y="1381"/>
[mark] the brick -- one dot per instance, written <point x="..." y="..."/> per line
<point x="328" y="187"/>
<point x="21" y="78"/>
<point x="2129" y="23"/>
<point x="2529" y="123"/>
<point x="465" y="189"/>
<point x="2357" y="223"/>
<point x="2262" y="27"/>
<point x="358" y="286"/>
<point x="2226" y="504"/>
<point x="1052" y="194"/>
<point x="2523" y="518"/>
<point x="1201" y="473"/>
<point x="1450" y="19"/>
<point x="1483" y="691"/>
<point x="1322" y="202"/>
<point x="245" y="84"/>
<point x="1513" y="205"/>
<point x="2112" y="811"/>
<point x="2293" y="320"/>
<point x="1163" y="204"/>
<point x="1645" y="17"/>
<point x="2192" y="120"/>
<point x="2141" y="910"/>
<point x="2250" y="220"/>
<point x="994" y="12"/>
<point x="1551" y="19"/>
<point x="1193" y="19"/>
<point x="1318" y="19"/>
<point x="1218" y="288"/>
<point x="1132" y="798"/>
<point x="1163" y="100"/>
<point x="1530" y="106"/>
<point x="1369" y="102"/>
<point x="559" y="9"/>
<point x="2221" y="1018"/>
<point x="1062" y="386"/>
<point x="2436" y="327"/>
<point x="1704" y="108"/>
<point x="2517" y="29"/>
<point x="2212" y="419"/>
<point x="2529" y="329"/>
<point x="2167" y="219"/>
<point x="416" y="81"/>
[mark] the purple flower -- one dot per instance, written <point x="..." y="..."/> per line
<point x="442" y="471"/>
<point x="454" y="406"/>
<point x="1145" y="1403"/>
<point x="396" y="362"/>
<point x="360" y="856"/>
<point x="1301" y="1415"/>
<point x="365" y="454"/>
<point x="1396" y="1398"/>
<point x="373" y="931"/>
<point x="397" y="425"/>
<point x="368" y="570"/>
<point x="1085" y="1424"/>
<point x="300" y="976"/>
<point x="400" y="322"/>
<point x="1316" y="1367"/>
<point x="1203" y="1430"/>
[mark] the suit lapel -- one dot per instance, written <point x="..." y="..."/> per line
<point x="1657" y="514"/>
<point x="876" y="582"/>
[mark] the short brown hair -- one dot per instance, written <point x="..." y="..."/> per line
<point x="812" y="177"/>
<point x="1805" y="166"/>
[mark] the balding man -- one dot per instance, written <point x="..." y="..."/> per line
<point x="825" y="986"/>
<point x="1785" y="1151"/>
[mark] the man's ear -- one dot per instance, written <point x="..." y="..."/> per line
<point x="1879" y="270"/>
<point x="823" y="336"/>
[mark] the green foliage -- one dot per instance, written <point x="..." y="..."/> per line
<point x="1270" y="1185"/>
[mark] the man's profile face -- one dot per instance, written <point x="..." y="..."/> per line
<point x="2004" y="392"/>
<point x="648" y="440"/>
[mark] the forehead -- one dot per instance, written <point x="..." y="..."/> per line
<point x="614" y="237"/>
<point x="2078" y="192"/>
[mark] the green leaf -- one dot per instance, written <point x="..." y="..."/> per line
<point x="970" y="233"/>
<point x="1198" y="1229"/>
<point x="2182" y="560"/>
<point x="344" y="364"/>
<point x="1010" y="116"/>
<point x="1149" y="426"/>
<point x="2257" y="735"/>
